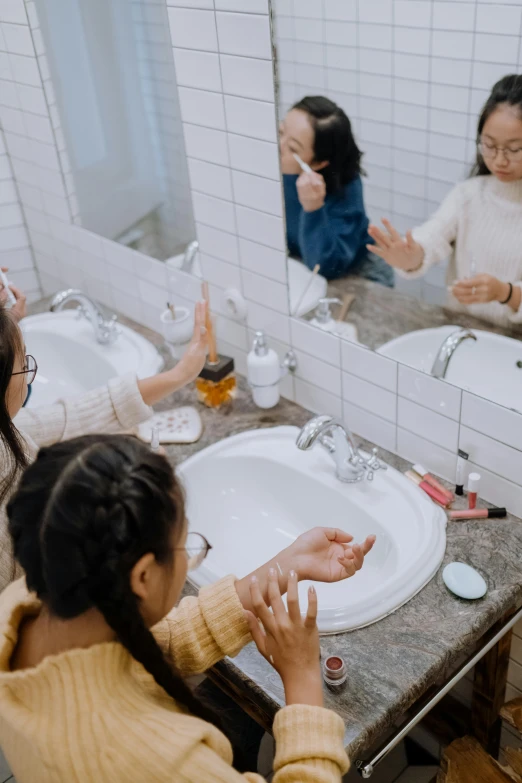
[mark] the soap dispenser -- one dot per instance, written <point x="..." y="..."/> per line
<point x="323" y="316"/>
<point x="263" y="372"/>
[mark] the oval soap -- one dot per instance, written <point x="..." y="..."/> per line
<point x="464" y="581"/>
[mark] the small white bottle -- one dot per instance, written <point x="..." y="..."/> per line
<point x="263" y="372"/>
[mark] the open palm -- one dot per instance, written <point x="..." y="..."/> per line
<point x="326" y="554"/>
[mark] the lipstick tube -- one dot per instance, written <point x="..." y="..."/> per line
<point x="434" y="494"/>
<point x="434" y="483"/>
<point x="478" y="513"/>
<point x="473" y="488"/>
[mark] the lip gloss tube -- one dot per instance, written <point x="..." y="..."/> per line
<point x="442" y="500"/>
<point x="473" y="488"/>
<point x="478" y="513"/>
<point x="433" y="481"/>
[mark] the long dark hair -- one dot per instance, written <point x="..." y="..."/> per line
<point x="334" y="141"/>
<point x="83" y="515"/>
<point x="506" y="90"/>
<point x="13" y="451"/>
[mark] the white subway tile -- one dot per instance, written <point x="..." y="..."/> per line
<point x="260" y="258"/>
<point x="429" y="392"/>
<point x="32" y="99"/>
<point x="411" y="41"/>
<point x="251" y="118"/>
<point x="380" y="11"/>
<point x="486" y="74"/>
<point x="496" y="48"/>
<point x="191" y="3"/>
<point x="492" y="420"/>
<point x="257" y="192"/>
<point x="307" y="30"/>
<point x="369" y="366"/>
<point x="372" y="36"/>
<point x="11" y="216"/>
<point x="150" y="269"/>
<point x="244" y="34"/>
<point x="370" y="397"/>
<point x="321" y="374"/>
<point x="434" y="458"/>
<point x="220" y="272"/>
<point x="260" y="227"/>
<point x="497" y="18"/>
<point x="25" y="70"/>
<point x="8" y="194"/>
<point x="213" y="212"/>
<point x="410" y="116"/>
<point x="18" y="39"/>
<point x="201" y="107"/>
<point x="450" y="147"/>
<point x="210" y="179"/>
<point x="217" y="243"/>
<point x="254" y="156"/>
<point x="13" y="238"/>
<point x="341" y="34"/>
<point x="262" y="290"/>
<point x="376" y="86"/>
<point x="118" y="255"/>
<point x="231" y="332"/>
<point x="316" y="342"/>
<point x="498" y="490"/>
<point x="445" y="43"/>
<point x="310" y="9"/>
<point x="12" y="119"/>
<point x="245" y="6"/>
<point x="317" y="400"/>
<point x="206" y="144"/>
<point x="9" y="95"/>
<point x="122" y="281"/>
<point x="490" y="454"/>
<point x="450" y="71"/>
<point x="452" y="123"/>
<point x="14" y="11"/>
<point x="193" y="29"/>
<point x="152" y="294"/>
<point x="367" y="425"/>
<point x="197" y="69"/>
<point x="130" y="306"/>
<point x="273" y="323"/>
<point x="412" y="13"/>
<point x="247" y="77"/>
<point x="411" y="91"/>
<point x="436" y="428"/>
<point x="340" y="10"/>
<point x="38" y="128"/>
<point x="453" y="16"/>
<point x="404" y="65"/>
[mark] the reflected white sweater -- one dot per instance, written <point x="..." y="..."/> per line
<point x="479" y="221"/>
<point x="113" y="408"/>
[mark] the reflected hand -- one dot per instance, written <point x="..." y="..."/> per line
<point x="18" y="310"/>
<point x="326" y="554"/>
<point x="480" y="289"/>
<point x="401" y="253"/>
<point x="193" y="360"/>
<point x="311" y="191"/>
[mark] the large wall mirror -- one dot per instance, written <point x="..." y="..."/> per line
<point x="379" y="107"/>
<point x="113" y="73"/>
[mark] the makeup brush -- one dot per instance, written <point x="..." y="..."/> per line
<point x="306" y="288"/>
<point x="212" y="349"/>
<point x="305" y="167"/>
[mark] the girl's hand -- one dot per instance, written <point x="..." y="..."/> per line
<point x="405" y="254"/>
<point x="311" y="191"/>
<point x="326" y="554"/>
<point x="480" y="289"/>
<point x="193" y="360"/>
<point x="287" y="640"/>
<point x="18" y="310"/>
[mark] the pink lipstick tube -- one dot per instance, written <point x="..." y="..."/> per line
<point x="434" y="494"/>
<point x="478" y="513"/>
<point x="433" y="482"/>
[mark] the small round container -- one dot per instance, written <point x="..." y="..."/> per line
<point x="177" y="330"/>
<point x="335" y="672"/>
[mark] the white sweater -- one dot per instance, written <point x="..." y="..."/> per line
<point x="116" y="407"/>
<point x="480" y="221"/>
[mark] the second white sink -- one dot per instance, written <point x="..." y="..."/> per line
<point x="252" y="494"/>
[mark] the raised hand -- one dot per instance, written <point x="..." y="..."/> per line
<point x="193" y="360"/>
<point x="311" y="191"/>
<point x="399" y="252"/>
<point x="480" y="289"/>
<point x="326" y="554"/>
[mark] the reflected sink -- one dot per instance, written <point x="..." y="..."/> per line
<point x="70" y="361"/>
<point x="252" y="494"/>
<point x="487" y="366"/>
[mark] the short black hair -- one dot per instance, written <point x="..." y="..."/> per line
<point x="334" y="141"/>
<point x="506" y="90"/>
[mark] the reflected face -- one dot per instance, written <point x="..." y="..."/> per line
<point x="296" y="135"/>
<point x="503" y="129"/>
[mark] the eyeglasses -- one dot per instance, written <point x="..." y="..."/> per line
<point x="31" y="368"/>
<point x="197" y="548"/>
<point x="489" y="151"/>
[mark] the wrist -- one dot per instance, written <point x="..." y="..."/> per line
<point x="304" y="686"/>
<point x="505" y="293"/>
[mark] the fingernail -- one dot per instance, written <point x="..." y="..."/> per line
<point x="293" y="574"/>
<point x="254" y="579"/>
<point x="272" y="571"/>
<point x="311" y="590"/>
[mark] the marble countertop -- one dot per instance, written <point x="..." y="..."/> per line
<point x="393" y="662"/>
<point x="381" y="313"/>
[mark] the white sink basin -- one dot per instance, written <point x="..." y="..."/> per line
<point x="252" y="494"/>
<point x="486" y="366"/>
<point x="70" y="361"/>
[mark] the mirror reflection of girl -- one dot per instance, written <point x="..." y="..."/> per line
<point x="120" y="405"/>
<point x="88" y="691"/>
<point x="326" y="221"/>
<point x="479" y="224"/>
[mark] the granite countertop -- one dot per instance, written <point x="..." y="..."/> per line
<point x="392" y="662"/>
<point x="381" y="313"/>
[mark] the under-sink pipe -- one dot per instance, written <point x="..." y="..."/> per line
<point x="367" y="768"/>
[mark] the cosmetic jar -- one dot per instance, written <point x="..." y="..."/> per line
<point x="335" y="672"/>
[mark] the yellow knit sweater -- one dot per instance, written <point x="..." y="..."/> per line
<point x="96" y="716"/>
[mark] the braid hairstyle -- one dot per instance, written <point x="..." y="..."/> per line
<point x="506" y="90"/>
<point x="85" y="512"/>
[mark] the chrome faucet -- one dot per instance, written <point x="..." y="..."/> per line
<point x="105" y="331"/>
<point x="189" y="256"/>
<point x="338" y="440"/>
<point x="447" y="349"/>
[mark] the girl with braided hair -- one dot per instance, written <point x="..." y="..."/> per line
<point x="92" y="652"/>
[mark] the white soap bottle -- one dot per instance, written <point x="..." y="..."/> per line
<point x="263" y="372"/>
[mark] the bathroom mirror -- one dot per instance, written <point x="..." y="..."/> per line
<point x="112" y="69"/>
<point x="378" y="108"/>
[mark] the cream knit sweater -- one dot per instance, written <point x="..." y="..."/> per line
<point x="480" y="222"/>
<point x="113" y="408"/>
<point x="95" y="715"/>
